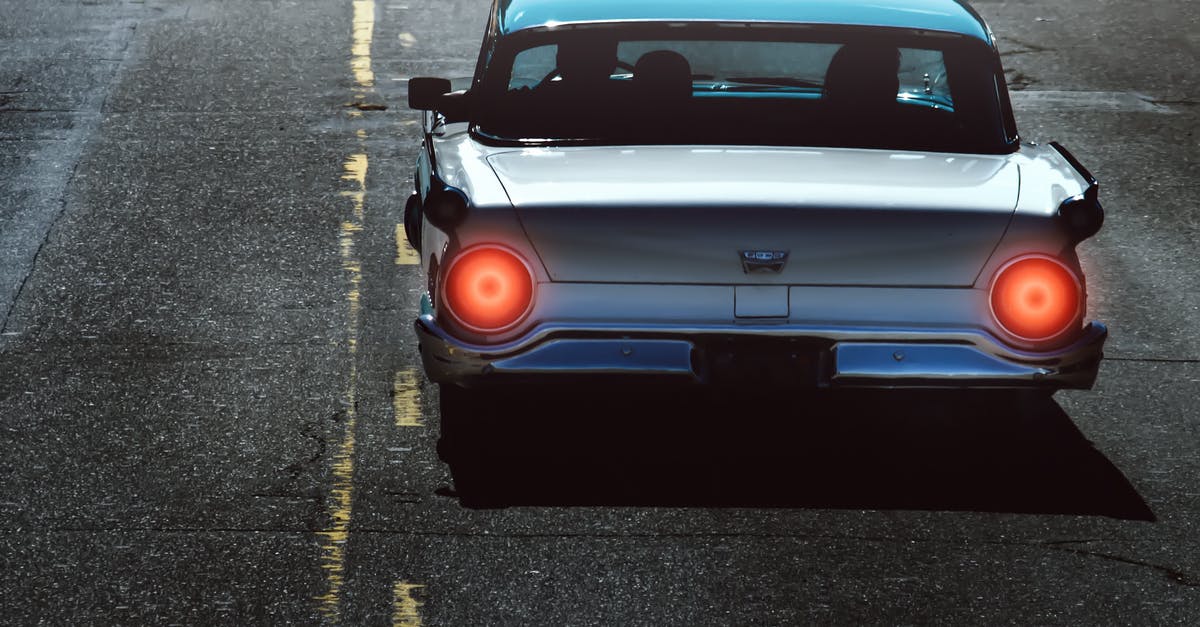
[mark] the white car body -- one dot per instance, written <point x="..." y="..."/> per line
<point x="888" y="258"/>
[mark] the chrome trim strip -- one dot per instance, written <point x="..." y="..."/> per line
<point x="925" y="362"/>
<point x="863" y="357"/>
<point x="975" y="337"/>
<point x="604" y="356"/>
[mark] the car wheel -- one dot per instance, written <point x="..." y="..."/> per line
<point x="412" y="221"/>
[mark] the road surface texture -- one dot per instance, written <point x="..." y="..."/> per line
<point x="212" y="410"/>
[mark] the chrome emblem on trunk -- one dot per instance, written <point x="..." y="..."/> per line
<point x="758" y="261"/>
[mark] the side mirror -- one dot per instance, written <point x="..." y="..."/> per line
<point x="425" y="93"/>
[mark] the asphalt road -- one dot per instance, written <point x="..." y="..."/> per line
<point x="212" y="412"/>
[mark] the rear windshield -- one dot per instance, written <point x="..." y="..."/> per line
<point x="702" y="85"/>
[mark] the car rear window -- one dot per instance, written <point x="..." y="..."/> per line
<point x="921" y="73"/>
<point x="857" y="91"/>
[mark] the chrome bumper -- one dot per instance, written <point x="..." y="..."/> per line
<point x="841" y="357"/>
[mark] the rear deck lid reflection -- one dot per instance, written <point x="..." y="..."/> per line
<point x="679" y="214"/>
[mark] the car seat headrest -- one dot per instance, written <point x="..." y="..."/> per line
<point x="663" y="75"/>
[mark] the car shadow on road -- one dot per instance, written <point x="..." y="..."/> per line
<point x="986" y="452"/>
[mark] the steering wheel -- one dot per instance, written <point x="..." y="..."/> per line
<point x="555" y="72"/>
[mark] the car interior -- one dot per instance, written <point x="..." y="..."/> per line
<point x="592" y="95"/>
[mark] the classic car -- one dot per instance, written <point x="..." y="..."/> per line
<point x="807" y="193"/>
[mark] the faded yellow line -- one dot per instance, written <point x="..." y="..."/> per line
<point x="406" y="609"/>
<point x="341" y="496"/>
<point x="334" y="539"/>
<point x="340" y="502"/>
<point x="364" y="31"/>
<point x="355" y="169"/>
<point x="406" y="398"/>
<point x="405" y="255"/>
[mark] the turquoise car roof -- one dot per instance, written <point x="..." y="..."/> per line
<point x="941" y="15"/>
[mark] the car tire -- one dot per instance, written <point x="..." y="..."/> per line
<point x="412" y="221"/>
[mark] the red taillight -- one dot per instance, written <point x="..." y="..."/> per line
<point x="488" y="289"/>
<point x="1036" y="298"/>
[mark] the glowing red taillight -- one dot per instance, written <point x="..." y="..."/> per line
<point x="1036" y="298"/>
<point x="488" y="289"/>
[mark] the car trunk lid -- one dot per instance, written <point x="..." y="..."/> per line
<point x="680" y="214"/>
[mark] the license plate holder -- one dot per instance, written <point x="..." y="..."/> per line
<point x="768" y="361"/>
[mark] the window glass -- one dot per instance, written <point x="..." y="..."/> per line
<point x="729" y="59"/>
<point x="680" y="88"/>
<point x="923" y="72"/>
<point x="532" y="65"/>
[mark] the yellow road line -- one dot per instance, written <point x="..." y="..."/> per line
<point x="333" y="540"/>
<point x="405" y="255"/>
<point x="355" y="169"/>
<point x="364" y="31"/>
<point x="341" y="495"/>
<point x="406" y="609"/>
<point x="406" y="398"/>
<point x="340" y="502"/>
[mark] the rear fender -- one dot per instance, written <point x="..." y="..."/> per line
<point x="496" y="226"/>
<point x="459" y="164"/>
<point x="1055" y="190"/>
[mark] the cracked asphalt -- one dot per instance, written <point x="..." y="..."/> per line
<point x="212" y="411"/>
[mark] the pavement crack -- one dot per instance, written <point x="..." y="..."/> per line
<point x="1153" y="360"/>
<point x="1176" y="576"/>
<point x="113" y="80"/>
<point x="1184" y="102"/>
<point x="1173" y="575"/>
<point x="41" y="110"/>
<point x="1025" y="47"/>
<point x="1053" y="543"/>
<point x="282" y="495"/>
<point x="62" y="208"/>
